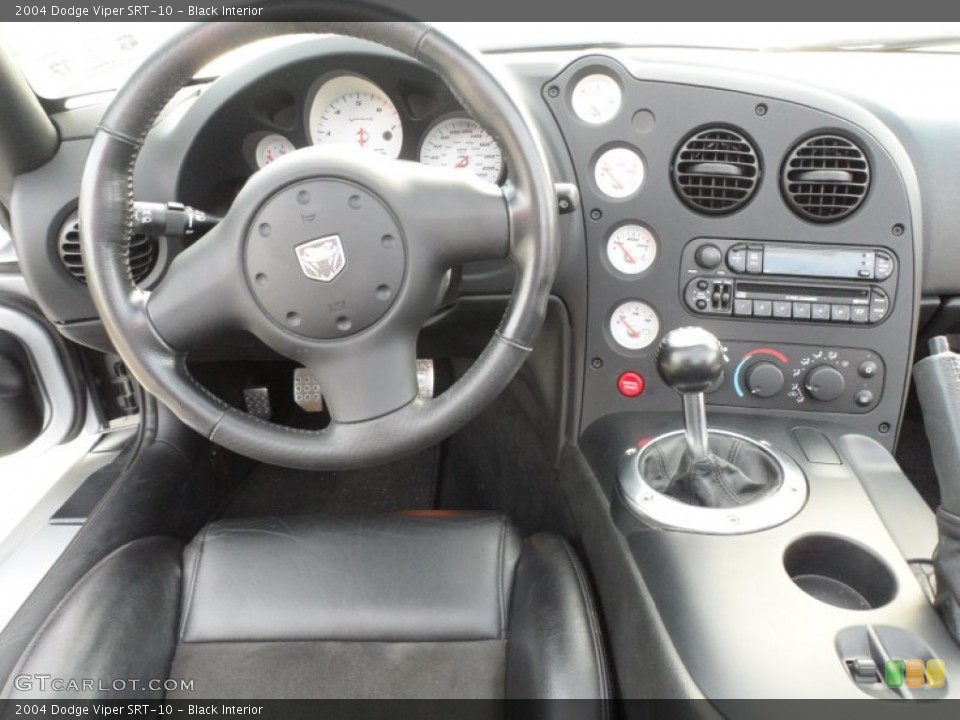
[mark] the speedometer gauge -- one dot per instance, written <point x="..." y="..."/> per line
<point x="631" y="249"/>
<point x="353" y="112"/>
<point x="462" y="144"/>
<point x="634" y="325"/>
<point x="596" y="99"/>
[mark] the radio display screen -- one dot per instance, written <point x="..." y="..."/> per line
<point x="822" y="262"/>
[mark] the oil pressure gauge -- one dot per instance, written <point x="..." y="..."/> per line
<point x="631" y="249"/>
<point x="634" y="325"/>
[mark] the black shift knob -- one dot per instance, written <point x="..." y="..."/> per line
<point x="690" y="360"/>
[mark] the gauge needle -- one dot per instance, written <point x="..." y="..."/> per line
<point x="462" y="161"/>
<point x="630" y="329"/>
<point x="362" y="137"/>
<point x="613" y="178"/>
<point x="626" y="253"/>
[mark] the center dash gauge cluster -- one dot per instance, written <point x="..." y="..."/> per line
<point x="779" y="226"/>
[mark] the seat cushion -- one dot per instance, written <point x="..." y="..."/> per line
<point x="418" y="605"/>
<point x="403" y="577"/>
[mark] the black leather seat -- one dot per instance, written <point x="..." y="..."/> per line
<point x="434" y="605"/>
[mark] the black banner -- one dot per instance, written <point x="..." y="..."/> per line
<point x="499" y="10"/>
<point x="486" y="709"/>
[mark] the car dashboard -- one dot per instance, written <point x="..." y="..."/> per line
<point x="799" y="206"/>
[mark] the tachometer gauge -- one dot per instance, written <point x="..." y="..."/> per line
<point x="270" y="148"/>
<point x="619" y="172"/>
<point x="596" y="99"/>
<point x="353" y="112"/>
<point x="462" y="144"/>
<point x="631" y="249"/>
<point x="634" y="325"/>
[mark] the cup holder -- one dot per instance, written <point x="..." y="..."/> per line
<point x="839" y="572"/>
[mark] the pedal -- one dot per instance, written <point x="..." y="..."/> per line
<point x="425" y="377"/>
<point x="257" y="402"/>
<point x="306" y="391"/>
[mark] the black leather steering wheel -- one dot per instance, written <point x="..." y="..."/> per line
<point x="331" y="259"/>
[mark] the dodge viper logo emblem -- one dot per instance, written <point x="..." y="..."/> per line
<point x="322" y="259"/>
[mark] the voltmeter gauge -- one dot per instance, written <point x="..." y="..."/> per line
<point x="596" y="99"/>
<point x="634" y="325"/>
<point x="619" y="172"/>
<point x="270" y="148"/>
<point x="631" y="249"/>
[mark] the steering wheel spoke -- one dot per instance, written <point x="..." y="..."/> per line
<point x="453" y="216"/>
<point x="367" y="382"/>
<point x="200" y="295"/>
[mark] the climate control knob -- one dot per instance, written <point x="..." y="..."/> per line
<point x="764" y="380"/>
<point x="824" y="383"/>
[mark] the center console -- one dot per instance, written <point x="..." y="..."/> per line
<point x="752" y="480"/>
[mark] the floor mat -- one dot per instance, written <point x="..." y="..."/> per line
<point x="408" y="484"/>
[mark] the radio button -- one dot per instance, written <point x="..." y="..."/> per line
<point x="820" y="312"/>
<point x="762" y="308"/>
<point x="782" y="310"/>
<point x="708" y="256"/>
<point x="840" y="313"/>
<point x="859" y="314"/>
<point x="737" y="259"/>
<point x="755" y="261"/>
<point x="879" y="306"/>
<point x="801" y="311"/>
<point x="884" y="266"/>
<point x="743" y="307"/>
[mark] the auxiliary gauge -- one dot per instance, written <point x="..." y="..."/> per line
<point x="619" y="172"/>
<point x="634" y="325"/>
<point x="596" y="99"/>
<point x="631" y="249"/>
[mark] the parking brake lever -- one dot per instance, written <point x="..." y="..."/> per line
<point x="938" y="388"/>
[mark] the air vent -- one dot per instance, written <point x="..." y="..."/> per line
<point x="143" y="252"/>
<point x="825" y="178"/>
<point x="716" y="171"/>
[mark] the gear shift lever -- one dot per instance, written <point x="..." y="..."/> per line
<point x="690" y="360"/>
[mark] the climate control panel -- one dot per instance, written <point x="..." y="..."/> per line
<point x="800" y="377"/>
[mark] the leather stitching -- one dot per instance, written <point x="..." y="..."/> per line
<point x="194" y="574"/>
<point x="596" y="637"/>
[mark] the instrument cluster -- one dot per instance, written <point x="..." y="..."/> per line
<point x="350" y="110"/>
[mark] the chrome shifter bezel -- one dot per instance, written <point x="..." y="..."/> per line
<point x="665" y="512"/>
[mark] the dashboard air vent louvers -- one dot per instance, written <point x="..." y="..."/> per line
<point x="143" y="252"/>
<point x="716" y="171"/>
<point x="825" y="178"/>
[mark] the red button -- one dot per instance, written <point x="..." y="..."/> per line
<point x="631" y="384"/>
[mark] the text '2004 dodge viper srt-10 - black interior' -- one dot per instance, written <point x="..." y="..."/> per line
<point x="391" y="370"/>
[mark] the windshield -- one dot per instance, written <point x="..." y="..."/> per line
<point x="67" y="59"/>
